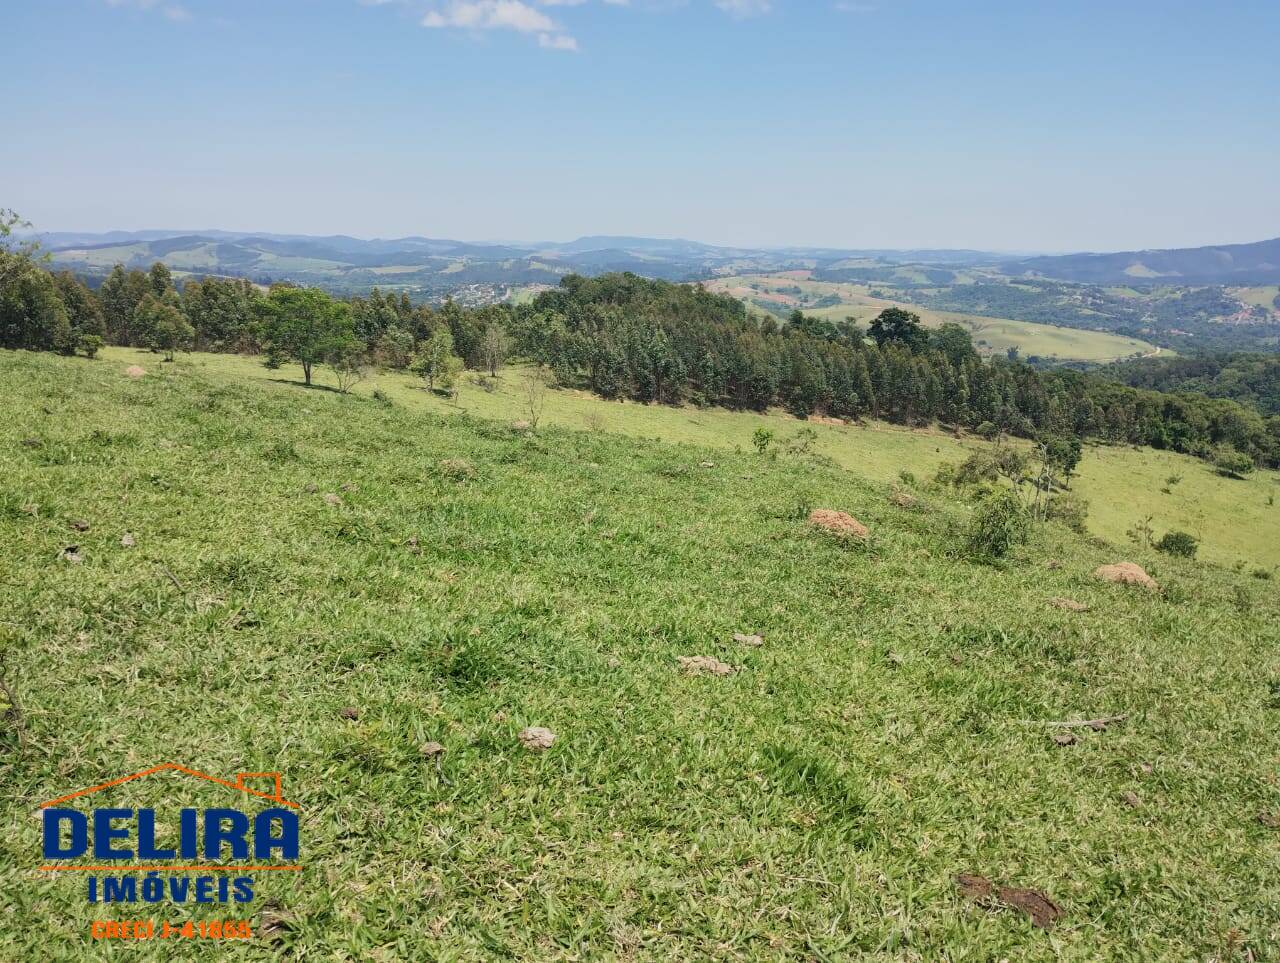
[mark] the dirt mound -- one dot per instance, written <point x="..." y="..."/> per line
<point x="1126" y="573"/>
<point x="537" y="738"/>
<point x="135" y="371"/>
<point x="841" y="523"/>
<point x="1070" y="605"/>
<point x="698" y="664"/>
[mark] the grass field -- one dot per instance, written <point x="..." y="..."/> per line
<point x="992" y="335"/>
<point x="1262" y="297"/>
<point x="466" y="580"/>
<point x="1234" y="518"/>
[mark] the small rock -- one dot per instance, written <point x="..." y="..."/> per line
<point x="79" y="524"/>
<point x="347" y="487"/>
<point x="841" y="523"/>
<point x="1053" y="563"/>
<point x="1270" y="820"/>
<point x="755" y="641"/>
<point x="430" y="750"/>
<point x="1126" y="573"/>
<point x="72" y="554"/>
<point x="1147" y="768"/>
<point x="332" y="499"/>
<point x="349" y="712"/>
<point x="537" y="739"/>
<point x="708" y="464"/>
<point x="699" y="664"/>
<point x="1131" y="800"/>
<point x="1065" y="739"/>
<point x="32" y="443"/>
<point x="127" y="540"/>
<point x="311" y="488"/>
<point x="1069" y="605"/>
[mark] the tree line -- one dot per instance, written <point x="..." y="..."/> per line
<point x="627" y="337"/>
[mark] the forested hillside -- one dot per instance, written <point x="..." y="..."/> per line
<point x="1251" y="378"/>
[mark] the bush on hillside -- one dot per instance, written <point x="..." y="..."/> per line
<point x="1069" y="509"/>
<point x="1182" y="544"/>
<point x="999" y="522"/>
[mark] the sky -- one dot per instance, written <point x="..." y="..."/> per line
<point x="1037" y="125"/>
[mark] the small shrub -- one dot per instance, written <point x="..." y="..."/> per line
<point x="762" y="438"/>
<point x="1069" y="509"/>
<point x="986" y="430"/>
<point x="1182" y="544"/>
<point x="907" y="478"/>
<point x="89" y="345"/>
<point x="1265" y="574"/>
<point x="381" y="396"/>
<point x="999" y="522"/>
<point x="802" y="442"/>
<point x="1142" y="532"/>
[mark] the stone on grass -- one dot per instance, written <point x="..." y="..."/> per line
<point x="537" y="738"/>
<point x="704" y="664"/>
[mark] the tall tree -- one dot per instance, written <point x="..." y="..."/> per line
<point x="307" y="326"/>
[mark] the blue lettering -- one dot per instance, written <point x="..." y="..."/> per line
<point x="54" y="819"/>
<point x="147" y="848"/>
<point x="263" y="840"/>
<point x="215" y="834"/>
<point x="104" y="833"/>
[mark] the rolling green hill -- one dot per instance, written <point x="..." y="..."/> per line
<point x="321" y="584"/>
<point x="782" y="293"/>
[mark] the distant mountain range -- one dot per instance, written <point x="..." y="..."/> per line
<point x="1234" y="264"/>
<point x="435" y="266"/>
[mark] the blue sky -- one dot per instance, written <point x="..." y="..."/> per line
<point x="1031" y="125"/>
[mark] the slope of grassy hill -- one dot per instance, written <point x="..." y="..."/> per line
<point x="1236" y="519"/>
<point x="296" y="553"/>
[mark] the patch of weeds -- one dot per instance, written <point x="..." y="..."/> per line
<point x="467" y="663"/>
<point x="808" y="775"/>
<point x="281" y="452"/>
<point x="1273" y="698"/>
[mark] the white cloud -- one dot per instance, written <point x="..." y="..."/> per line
<point x="490" y="15"/>
<point x="514" y="15"/>
<point x="170" y="11"/>
<point x="744" y="8"/>
<point x="557" y="42"/>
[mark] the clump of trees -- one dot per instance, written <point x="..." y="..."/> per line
<point x="623" y="336"/>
